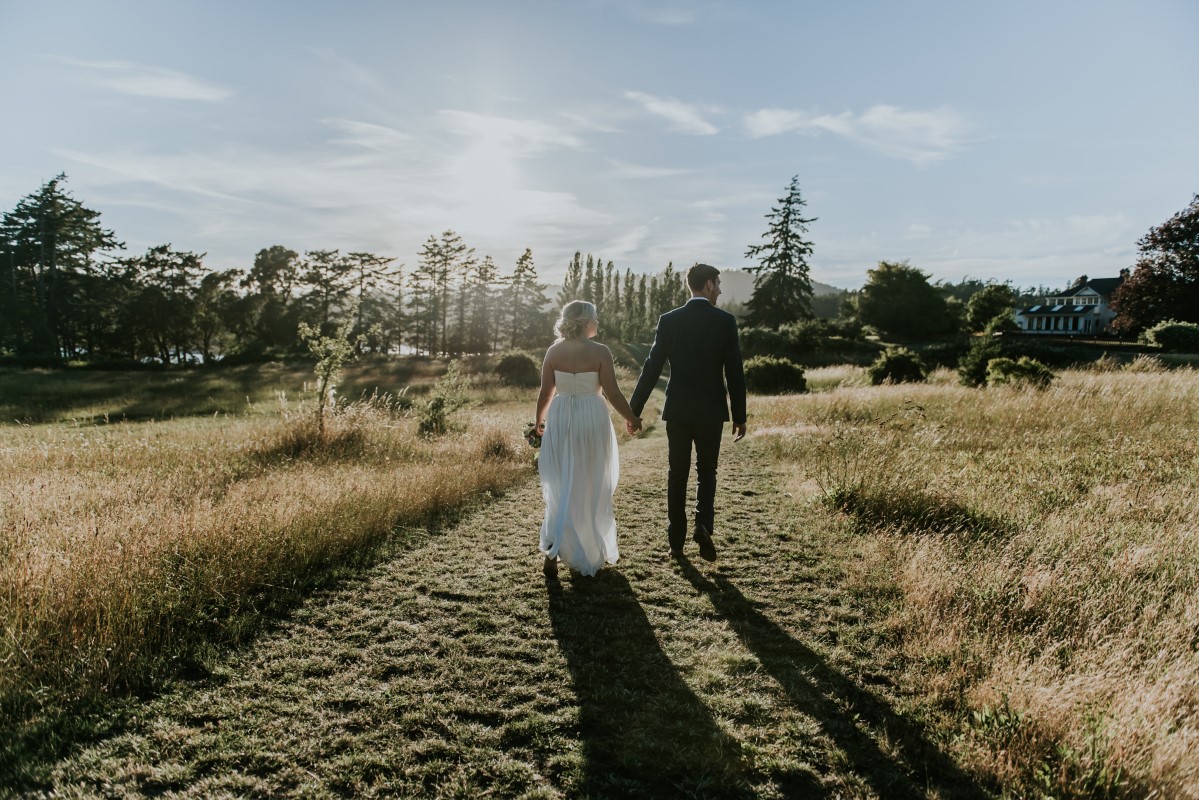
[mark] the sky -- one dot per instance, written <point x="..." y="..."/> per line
<point x="1029" y="141"/>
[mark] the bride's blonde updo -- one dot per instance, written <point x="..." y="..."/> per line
<point x="572" y="322"/>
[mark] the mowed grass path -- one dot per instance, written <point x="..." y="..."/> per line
<point x="457" y="670"/>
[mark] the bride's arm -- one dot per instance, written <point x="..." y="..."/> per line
<point x="607" y="376"/>
<point x="546" y="394"/>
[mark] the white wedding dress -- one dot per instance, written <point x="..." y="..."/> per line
<point x="579" y="466"/>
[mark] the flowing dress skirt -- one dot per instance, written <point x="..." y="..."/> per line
<point x="579" y="466"/>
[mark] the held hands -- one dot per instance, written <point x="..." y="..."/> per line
<point x="633" y="426"/>
<point x="738" y="432"/>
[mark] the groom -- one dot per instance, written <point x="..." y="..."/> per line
<point x="700" y="343"/>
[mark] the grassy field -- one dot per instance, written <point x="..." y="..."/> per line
<point x="133" y="551"/>
<point x="1045" y="547"/>
<point x="32" y="396"/>
<point x="924" y="591"/>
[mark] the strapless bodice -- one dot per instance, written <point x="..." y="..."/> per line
<point x="576" y="384"/>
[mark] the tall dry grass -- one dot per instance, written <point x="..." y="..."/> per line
<point x="1046" y="545"/>
<point x="129" y="550"/>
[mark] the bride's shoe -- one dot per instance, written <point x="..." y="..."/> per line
<point x="550" y="567"/>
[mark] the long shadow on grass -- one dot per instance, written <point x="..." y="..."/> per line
<point x="644" y="732"/>
<point x="854" y="718"/>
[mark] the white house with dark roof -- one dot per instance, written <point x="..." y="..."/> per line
<point x="1082" y="310"/>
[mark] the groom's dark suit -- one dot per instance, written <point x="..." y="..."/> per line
<point x="701" y="345"/>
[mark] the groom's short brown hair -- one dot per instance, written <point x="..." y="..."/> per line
<point x="699" y="275"/>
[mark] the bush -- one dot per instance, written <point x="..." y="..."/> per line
<point x="972" y="369"/>
<point x="1174" y="336"/>
<point x="518" y="369"/>
<point x="1025" y="372"/>
<point x="772" y="375"/>
<point x="449" y="395"/>
<point x="943" y="354"/>
<point x="897" y="365"/>
<point x="764" y="342"/>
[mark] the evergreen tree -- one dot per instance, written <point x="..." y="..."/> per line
<point x="524" y="305"/>
<point x="267" y="317"/>
<point x="899" y="301"/>
<point x="588" y="287"/>
<point x="166" y="302"/>
<point x="215" y="302"/>
<point x="572" y="282"/>
<point x="373" y="280"/>
<point x="782" y="287"/>
<point x="629" y="328"/>
<point x="329" y="279"/>
<point x="51" y="250"/>
<point x="646" y="322"/>
<point x="442" y="262"/>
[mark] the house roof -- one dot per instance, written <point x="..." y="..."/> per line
<point x="1101" y="286"/>
<point x="1058" y="310"/>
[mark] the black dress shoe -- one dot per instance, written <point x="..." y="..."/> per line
<point x="703" y="537"/>
<point x="676" y="553"/>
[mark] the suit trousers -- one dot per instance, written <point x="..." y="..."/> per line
<point x="681" y="438"/>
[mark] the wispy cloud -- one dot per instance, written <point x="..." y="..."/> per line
<point x="622" y="169"/>
<point x="670" y="16"/>
<point x="922" y="137"/>
<point x="368" y="186"/>
<point x="684" y="117"/>
<point x="515" y="135"/>
<point x="141" y="80"/>
<point x="369" y="136"/>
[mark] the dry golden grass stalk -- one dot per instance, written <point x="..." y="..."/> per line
<point x="1047" y="549"/>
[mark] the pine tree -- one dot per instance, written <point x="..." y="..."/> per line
<point x="525" y="300"/>
<point x="441" y="262"/>
<point x="329" y="278"/>
<point x="166" y="302"/>
<point x="483" y="321"/>
<point x="50" y="258"/>
<point x="372" y="278"/>
<point x="782" y="287"/>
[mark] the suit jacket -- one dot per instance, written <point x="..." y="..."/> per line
<point x="700" y="343"/>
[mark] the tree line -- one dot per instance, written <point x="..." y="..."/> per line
<point x="68" y="292"/>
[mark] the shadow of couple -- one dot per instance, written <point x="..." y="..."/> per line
<point x="645" y="732"/>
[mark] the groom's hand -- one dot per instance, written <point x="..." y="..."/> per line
<point x="738" y="432"/>
<point x="633" y="425"/>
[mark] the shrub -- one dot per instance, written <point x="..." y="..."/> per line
<point x="449" y="394"/>
<point x="972" y="369"/>
<point x="1025" y="372"/>
<point x="763" y="342"/>
<point x="1001" y="323"/>
<point x="772" y="375"/>
<point x="897" y="365"/>
<point x="943" y="354"/>
<point x="518" y="369"/>
<point x="1174" y="336"/>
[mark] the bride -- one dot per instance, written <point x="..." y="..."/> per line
<point x="579" y="464"/>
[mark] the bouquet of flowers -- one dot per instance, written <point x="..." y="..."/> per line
<point x="532" y="435"/>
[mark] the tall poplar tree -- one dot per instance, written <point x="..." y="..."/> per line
<point x="782" y="286"/>
<point x="572" y="282"/>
